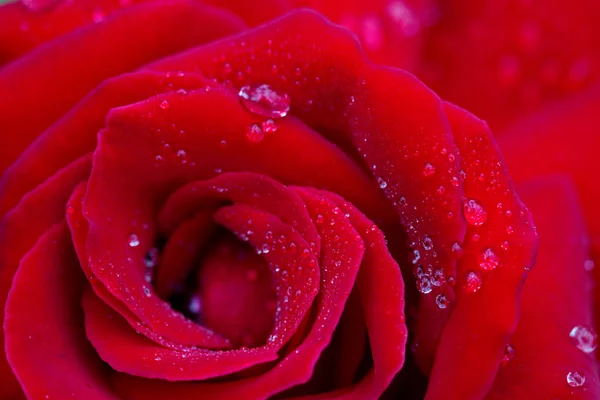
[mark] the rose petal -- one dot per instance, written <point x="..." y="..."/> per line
<point x="381" y="292"/>
<point x="21" y="228"/>
<point x="539" y="145"/>
<point x="24" y="25"/>
<point x="475" y="335"/>
<point x="75" y="133"/>
<point x="235" y="293"/>
<point x="173" y="320"/>
<point x="504" y="59"/>
<point x="182" y="251"/>
<point x="339" y="261"/>
<point x="125" y="351"/>
<point x="543" y="351"/>
<point x="44" y="323"/>
<point x="66" y="69"/>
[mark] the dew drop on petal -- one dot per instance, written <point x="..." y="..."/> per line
<point x="457" y="249"/>
<point x="134" y="241"/>
<point x="254" y="133"/>
<point x="509" y="354"/>
<point x="474" y="213"/>
<point x="588" y="265"/>
<point x="428" y="170"/>
<point x="264" y="100"/>
<point x="488" y="260"/>
<point x="473" y="282"/>
<point x="584" y="338"/>
<point x="575" y="379"/>
<point x="438" y="277"/>
<point x="427" y="243"/>
<point x="416" y="256"/>
<point x="423" y="284"/>
<point x="269" y="126"/>
<point x="382" y="184"/>
<point x="441" y="301"/>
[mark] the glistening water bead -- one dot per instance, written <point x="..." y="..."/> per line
<point x="575" y="379"/>
<point x="265" y="101"/>
<point x="474" y="213"/>
<point x="584" y="338"/>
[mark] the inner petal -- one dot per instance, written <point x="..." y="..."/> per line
<point x="235" y="294"/>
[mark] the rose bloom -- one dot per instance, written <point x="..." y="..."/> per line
<point x="249" y="200"/>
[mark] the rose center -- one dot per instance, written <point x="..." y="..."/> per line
<point x="230" y="292"/>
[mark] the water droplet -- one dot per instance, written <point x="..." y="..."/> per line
<point x="147" y="291"/>
<point x="265" y="101"/>
<point x="427" y="243"/>
<point x="269" y="126"/>
<point x="441" y="301"/>
<point x="438" y="278"/>
<point x="584" y="338"/>
<point x="488" y="260"/>
<point x="457" y="249"/>
<point x="474" y="213"/>
<point x="588" y="265"/>
<point x="428" y="170"/>
<point x="473" y="282"/>
<point x="424" y="285"/>
<point x="255" y="133"/>
<point x="164" y="104"/>
<point x="509" y="354"/>
<point x="134" y="241"/>
<point x="382" y="184"/>
<point x="575" y="379"/>
<point x="416" y="256"/>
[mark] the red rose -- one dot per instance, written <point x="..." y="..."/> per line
<point x="143" y="183"/>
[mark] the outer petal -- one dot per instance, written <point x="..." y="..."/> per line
<point x="19" y="231"/>
<point x="474" y="338"/>
<point x="502" y="59"/>
<point x="563" y="138"/>
<point x="75" y="133"/>
<point x="69" y="67"/>
<point x="556" y="298"/>
<point x="25" y="25"/>
<point x="44" y="323"/>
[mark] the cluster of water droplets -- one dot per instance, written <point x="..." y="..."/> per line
<point x="263" y="100"/>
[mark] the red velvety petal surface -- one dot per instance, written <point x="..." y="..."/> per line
<point x="69" y="67"/>
<point x="75" y="133"/>
<point x="342" y="248"/>
<point x="381" y="291"/>
<point x="556" y="298"/>
<point x="474" y="338"/>
<point x="502" y="59"/>
<point x="236" y="295"/>
<point x="26" y="24"/>
<point x="43" y="323"/>
<point x="539" y="145"/>
<point x="20" y="229"/>
<point x="391" y="32"/>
